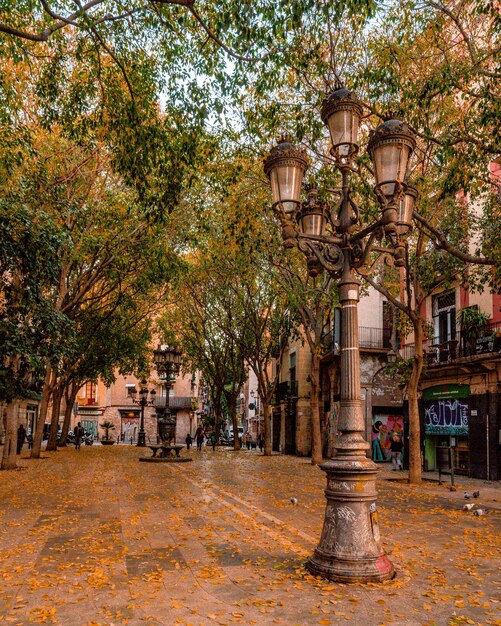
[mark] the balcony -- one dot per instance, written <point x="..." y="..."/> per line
<point x="436" y="351"/>
<point x="286" y="390"/>
<point x="370" y="338"/>
<point x="175" y="402"/>
<point x="378" y="338"/>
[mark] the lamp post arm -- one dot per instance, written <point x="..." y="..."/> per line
<point x="443" y="244"/>
<point x="361" y="234"/>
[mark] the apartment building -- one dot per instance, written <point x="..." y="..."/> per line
<point x="382" y="399"/>
<point x="97" y="403"/>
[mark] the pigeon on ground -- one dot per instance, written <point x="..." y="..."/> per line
<point x="466" y="495"/>
<point x="480" y="512"/>
<point x="294" y="501"/>
<point x="476" y="494"/>
<point x="468" y="507"/>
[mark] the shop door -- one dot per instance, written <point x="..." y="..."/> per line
<point x="290" y="428"/>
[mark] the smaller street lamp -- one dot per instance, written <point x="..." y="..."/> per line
<point x="257" y="410"/>
<point x="143" y="401"/>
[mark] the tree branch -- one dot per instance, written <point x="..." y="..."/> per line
<point x="466" y="37"/>
<point x="448" y="247"/>
<point x="215" y="38"/>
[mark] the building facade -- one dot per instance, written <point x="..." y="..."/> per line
<point x="461" y="383"/>
<point x="97" y="403"/>
<point x="382" y="399"/>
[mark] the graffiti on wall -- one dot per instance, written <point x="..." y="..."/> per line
<point x="446" y="417"/>
<point x="129" y="429"/>
<point x="383" y="428"/>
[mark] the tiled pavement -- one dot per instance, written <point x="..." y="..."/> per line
<point x="98" y="538"/>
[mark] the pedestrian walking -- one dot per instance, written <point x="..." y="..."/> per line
<point x="78" y="432"/>
<point x="260" y="441"/>
<point x="248" y="441"/>
<point x="213" y="440"/>
<point x="189" y="441"/>
<point x="199" y="436"/>
<point x="21" y="436"/>
<point x="396" y="447"/>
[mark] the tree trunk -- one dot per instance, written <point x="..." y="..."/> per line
<point x="316" y="435"/>
<point x="415" y="472"/>
<point x="10" y="445"/>
<point x="234" y="421"/>
<point x="54" y="422"/>
<point x="38" y="434"/>
<point x="267" y="428"/>
<point x="70" y="395"/>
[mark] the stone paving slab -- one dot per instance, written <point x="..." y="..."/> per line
<point x="95" y="537"/>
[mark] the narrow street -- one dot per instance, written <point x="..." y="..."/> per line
<point x="98" y="538"/>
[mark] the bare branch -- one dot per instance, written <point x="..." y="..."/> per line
<point x="215" y="38"/>
<point x="466" y="37"/>
<point x="443" y="244"/>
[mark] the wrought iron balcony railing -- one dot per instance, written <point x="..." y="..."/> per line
<point x="437" y="350"/>
<point x="369" y="338"/>
<point x="286" y="390"/>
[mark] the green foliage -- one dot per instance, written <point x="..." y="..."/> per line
<point x="107" y="426"/>
<point x="473" y="322"/>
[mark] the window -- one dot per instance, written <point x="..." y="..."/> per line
<point x="90" y="393"/>
<point x="292" y="367"/>
<point x="444" y="317"/>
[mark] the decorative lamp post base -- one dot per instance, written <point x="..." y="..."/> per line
<point x="349" y="550"/>
<point x="141" y="440"/>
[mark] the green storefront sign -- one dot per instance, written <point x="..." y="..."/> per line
<point x="446" y="410"/>
<point x="446" y="392"/>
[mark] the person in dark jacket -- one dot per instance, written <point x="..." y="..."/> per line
<point x="189" y="441"/>
<point x="21" y="436"/>
<point x="199" y="436"/>
<point x="79" y="433"/>
<point x="396" y="448"/>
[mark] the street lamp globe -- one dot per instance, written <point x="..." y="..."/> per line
<point x="341" y="113"/>
<point x="285" y="167"/>
<point x="405" y="210"/>
<point x="390" y="147"/>
<point x="312" y="218"/>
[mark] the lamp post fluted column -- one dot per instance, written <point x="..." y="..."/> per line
<point x="349" y="549"/>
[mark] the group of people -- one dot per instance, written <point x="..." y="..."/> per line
<point x="248" y="441"/>
<point x="201" y="435"/>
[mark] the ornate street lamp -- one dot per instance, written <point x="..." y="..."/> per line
<point x="333" y="239"/>
<point x="143" y="402"/>
<point x="167" y="361"/>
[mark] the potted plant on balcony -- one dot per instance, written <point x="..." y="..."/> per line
<point x="496" y="340"/>
<point x="473" y="325"/>
<point x="107" y="426"/>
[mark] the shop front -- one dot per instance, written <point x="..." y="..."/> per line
<point x="386" y="424"/>
<point x="129" y="424"/>
<point x="446" y="413"/>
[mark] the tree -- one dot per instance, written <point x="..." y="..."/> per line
<point x="314" y="299"/>
<point x="107" y="426"/>
<point x="452" y="102"/>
